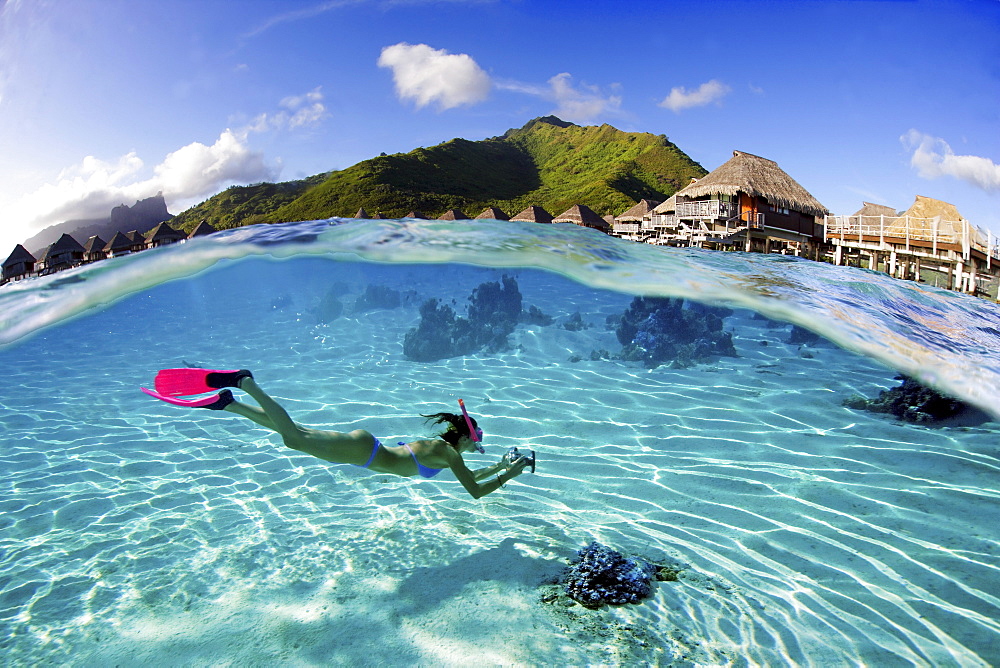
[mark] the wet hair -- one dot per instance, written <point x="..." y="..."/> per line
<point x="457" y="428"/>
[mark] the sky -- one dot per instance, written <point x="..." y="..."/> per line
<point x="105" y="102"/>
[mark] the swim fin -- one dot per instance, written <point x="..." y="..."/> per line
<point x="215" y="402"/>
<point x="183" y="382"/>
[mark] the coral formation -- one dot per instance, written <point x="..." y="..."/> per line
<point x="657" y="330"/>
<point x="601" y="575"/>
<point x="377" y="297"/>
<point x="494" y="311"/>
<point x="910" y="402"/>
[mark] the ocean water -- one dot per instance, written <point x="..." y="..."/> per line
<point x="806" y="533"/>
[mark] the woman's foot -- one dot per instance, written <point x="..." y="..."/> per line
<point x="221" y="379"/>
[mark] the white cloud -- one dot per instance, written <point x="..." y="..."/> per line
<point x="300" y="111"/>
<point x="680" y="98"/>
<point x="433" y="76"/>
<point x="934" y="158"/>
<point x="581" y="104"/>
<point x="93" y="187"/>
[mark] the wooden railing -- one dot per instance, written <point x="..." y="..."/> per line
<point x="708" y="208"/>
<point x="932" y="230"/>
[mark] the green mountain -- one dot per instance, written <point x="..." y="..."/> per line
<point x="548" y="162"/>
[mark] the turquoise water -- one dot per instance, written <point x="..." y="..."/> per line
<point x="808" y="533"/>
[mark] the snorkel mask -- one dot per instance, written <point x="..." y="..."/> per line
<point x="475" y="433"/>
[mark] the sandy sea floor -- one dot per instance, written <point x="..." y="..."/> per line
<point x="807" y="533"/>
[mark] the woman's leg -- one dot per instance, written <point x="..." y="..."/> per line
<point x="355" y="447"/>
<point x="270" y="414"/>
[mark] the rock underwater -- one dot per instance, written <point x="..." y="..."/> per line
<point x="660" y="330"/>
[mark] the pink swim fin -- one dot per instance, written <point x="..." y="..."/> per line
<point x="184" y="382"/>
<point x="214" y="402"/>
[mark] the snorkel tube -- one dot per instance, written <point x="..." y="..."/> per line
<point x="475" y="434"/>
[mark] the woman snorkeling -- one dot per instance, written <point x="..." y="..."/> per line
<point x="426" y="458"/>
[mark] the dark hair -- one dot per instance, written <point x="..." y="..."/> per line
<point x="457" y="428"/>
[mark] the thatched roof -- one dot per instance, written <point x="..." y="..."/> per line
<point x="453" y="214"/>
<point x="875" y="210"/>
<point x="756" y="176"/>
<point x="492" y="213"/>
<point x="65" y="244"/>
<point x="639" y="211"/>
<point x="19" y="254"/>
<point x="119" y="242"/>
<point x="416" y="214"/>
<point x="163" y="232"/>
<point x="921" y="219"/>
<point x="610" y="220"/>
<point x="670" y="206"/>
<point x="136" y="237"/>
<point x="378" y="216"/>
<point x="203" y="228"/>
<point x="533" y="214"/>
<point x="95" y="244"/>
<point x="362" y="214"/>
<point x="581" y="214"/>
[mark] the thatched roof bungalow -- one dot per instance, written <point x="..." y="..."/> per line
<point x="751" y="191"/>
<point x="120" y="244"/>
<point x="362" y="214"/>
<point x="582" y="215"/>
<point x="204" y="228"/>
<point x="533" y="214"/>
<point x="93" y="250"/>
<point x="19" y="263"/>
<point x="928" y="218"/>
<point x="638" y="213"/>
<point x="453" y="214"/>
<point x="492" y="213"/>
<point x="65" y="253"/>
<point x="416" y="214"/>
<point x="164" y="235"/>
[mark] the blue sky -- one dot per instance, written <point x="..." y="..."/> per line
<point x="104" y="102"/>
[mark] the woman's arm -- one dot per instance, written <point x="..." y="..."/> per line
<point x="489" y="471"/>
<point x="470" y="481"/>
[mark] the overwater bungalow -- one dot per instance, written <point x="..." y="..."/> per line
<point x="929" y="242"/>
<point x="93" y="250"/>
<point x="119" y="245"/>
<point x="629" y="224"/>
<point x="584" y="216"/>
<point x="362" y="214"/>
<point x="164" y="235"/>
<point x="19" y="264"/>
<point x="63" y="254"/>
<point x="453" y="214"/>
<point x="492" y="213"/>
<point x="202" y="229"/>
<point x="416" y="214"/>
<point x="138" y="240"/>
<point x="533" y="214"/>
<point x="749" y="203"/>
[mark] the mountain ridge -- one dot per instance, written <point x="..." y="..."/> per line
<point x="548" y="162"/>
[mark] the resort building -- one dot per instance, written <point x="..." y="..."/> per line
<point x="63" y="254"/>
<point x="533" y="214"/>
<point x="163" y="235"/>
<point x="583" y="215"/>
<point x="492" y="213"/>
<point x="19" y="264"/>
<point x="748" y="203"/>
<point x="930" y="242"/>
<point x="453" y="214"/>
<point x="93" y="250"/>
<point x="204" y="228"/>
<point x="629" y="225"/>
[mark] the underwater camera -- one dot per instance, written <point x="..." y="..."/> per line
<point x="514" y="454"/>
